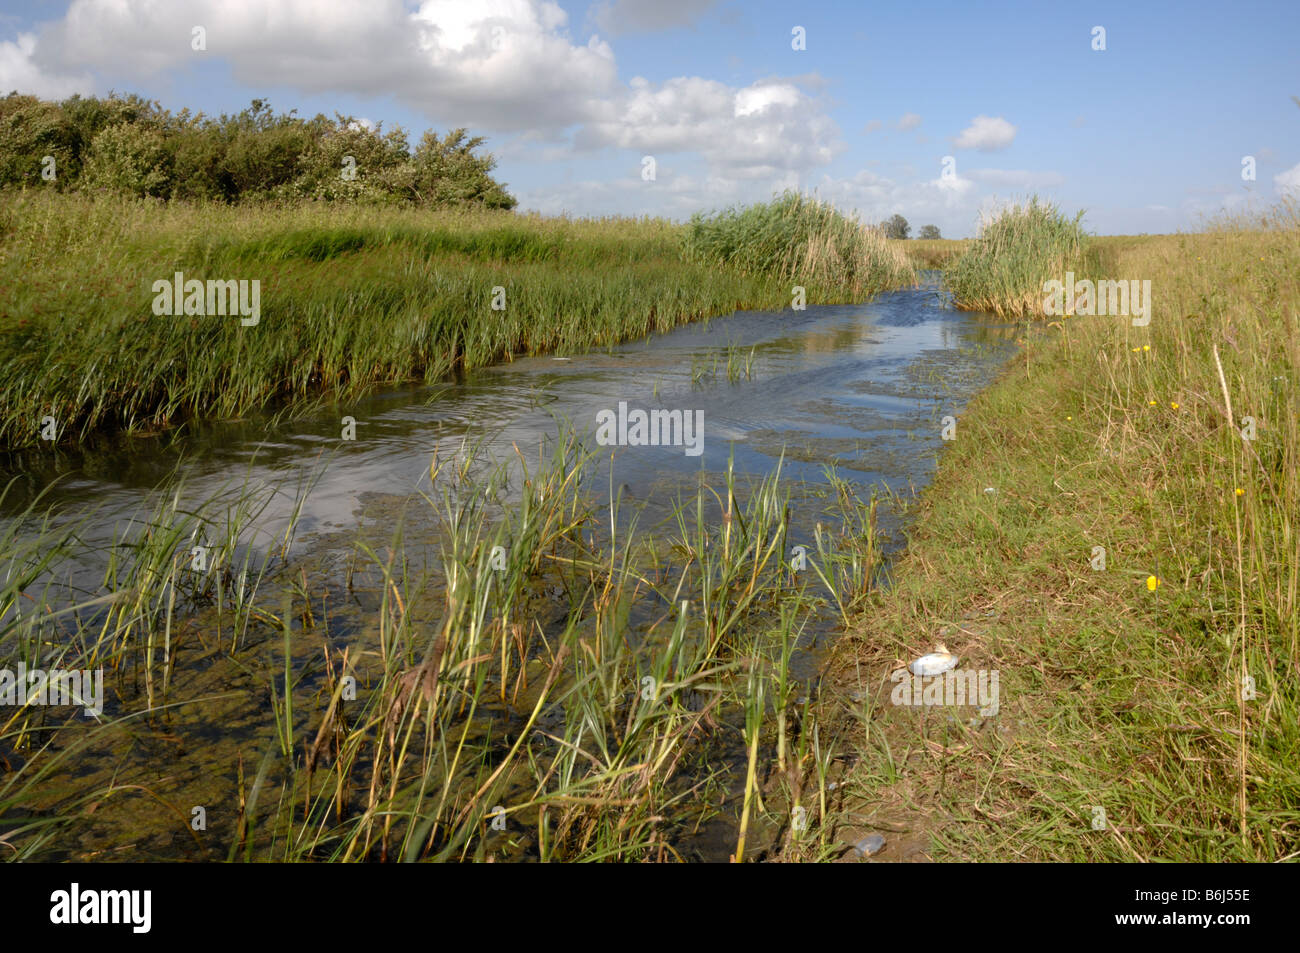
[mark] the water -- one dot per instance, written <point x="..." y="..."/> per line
<point x="861" y="388"/>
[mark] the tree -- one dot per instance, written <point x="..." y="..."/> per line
<point x="897" y="227"/>
<point x="929" y="231"/>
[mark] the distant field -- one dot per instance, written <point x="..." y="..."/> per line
<point x="931" y="252"/>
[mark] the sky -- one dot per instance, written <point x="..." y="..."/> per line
<point x="1143" y="115"/>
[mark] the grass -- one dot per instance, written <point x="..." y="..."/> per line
<point x="932" y="252"/>
<point x="1003" y="269"/>
<point x="1175" y="709"/>
<point x="452" y="715"/>
<point x="352" y="298"/>
<point x="1148" y="708"/>
<point x="802" y="241"/>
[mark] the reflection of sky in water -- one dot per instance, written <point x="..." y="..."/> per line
<point x="833" y="384"/>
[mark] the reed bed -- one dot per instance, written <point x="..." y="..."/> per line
<point x="803" y="241"/>
<point x="1003" y="269"/>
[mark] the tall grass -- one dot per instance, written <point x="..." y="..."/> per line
<point x="1171" y="705"/>
<point x="352" y="297"/>
<point x="555" y="684"/>
<point x="803" y="241"/>
<point x="1003" y="269"/>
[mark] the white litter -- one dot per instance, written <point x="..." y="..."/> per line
<point x="869" y="845"/>
<point x="936" y="663"/>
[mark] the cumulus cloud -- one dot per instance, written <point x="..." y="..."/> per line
<point x="647" y="16"/>
<point x="1288" y="183"/>
<point x="499" y="64"/>
<point x="908" y="121"/>
<point x="987" y="134"/>
<point x="754" y="131"/>
<point x="19" y="70"/>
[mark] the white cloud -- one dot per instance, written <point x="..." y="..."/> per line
<point x="1288" y="183"/>
<point x="908" y="121"/>
<point x="872" y="126"/>
<point x="755" y="99"/>
<point x="494" y="64"/>
<point x="753" y="132"/>
<point x="20" y="71"/>
<point x="987" y="134"/>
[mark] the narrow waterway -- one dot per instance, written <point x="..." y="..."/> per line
<point x="862" y="390"/>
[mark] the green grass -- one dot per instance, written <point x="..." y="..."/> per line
<point x="613" y="732"/>
<point x="1003" y="269"/>
<point x="932" y="252"/>
<point x="356" y="297"/>
<point x="1112" y="695"/>
<point x="802" y="241"/>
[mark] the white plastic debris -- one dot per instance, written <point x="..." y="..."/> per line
<point x="869" y="845"/>
<point x="936" y="663"/>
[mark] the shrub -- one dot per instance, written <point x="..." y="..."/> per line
<point x="129" y="158"/>
<point x="132" y="146"/>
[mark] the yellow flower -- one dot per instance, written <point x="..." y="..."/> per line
<point x="1152" y="583"/>
<point x="1240" y="491"/>
<point x="1069" y="418"/>
<point x="1151" y="403"/>
<point x="1135" y="350"/>
<point x="1146" y="347"/>
<point x="1173" y="404"/>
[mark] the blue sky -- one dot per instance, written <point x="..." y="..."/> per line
<point x="1147" y="135"/>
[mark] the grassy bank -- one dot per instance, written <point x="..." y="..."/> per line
<point x="1148" y="709"/>
<point x="352" y="297"/>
